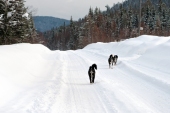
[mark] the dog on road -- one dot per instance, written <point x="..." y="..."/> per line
<point x="112" y="59"/>
<point x="91" y="72"/>
<point x="115" y="59"/>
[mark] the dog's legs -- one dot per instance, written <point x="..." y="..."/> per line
<point x="112" y="63"/>
<point x="91" y="76"/>
<point x="115" y="61"/>
<point x="92" y="79"/>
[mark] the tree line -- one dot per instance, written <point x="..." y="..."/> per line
<point x="16" y="23"/>
<point x="116" y="23"/>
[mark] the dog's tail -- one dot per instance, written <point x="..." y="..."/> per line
<point x="94" y="66"/>
<point x="111" y="56"/>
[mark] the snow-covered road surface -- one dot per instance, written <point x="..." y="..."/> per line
<point x="34" y="79"/>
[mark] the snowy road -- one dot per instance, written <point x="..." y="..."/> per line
<point x="127" y="88"/>
<point x="134" y="85"/>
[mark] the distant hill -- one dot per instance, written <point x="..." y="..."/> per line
<point x="44" y="23"/>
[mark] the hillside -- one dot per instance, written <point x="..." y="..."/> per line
<point x="44" y="23"/>
<point x="116" y="23"/>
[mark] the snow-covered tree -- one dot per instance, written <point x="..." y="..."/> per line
<point x="15" y="21"/>
<point x="164" y="17"/>
<point x="7" y="11"/>
<point x="130" y="21"/>
<point x="135" y="21"/>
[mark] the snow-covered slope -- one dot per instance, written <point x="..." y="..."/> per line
<point x="34" y="79"/>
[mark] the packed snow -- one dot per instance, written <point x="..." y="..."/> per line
<point x="34" y="79"/>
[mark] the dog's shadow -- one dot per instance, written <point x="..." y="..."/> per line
<point x="82" y="84"/>
<point x="107" y="66"/>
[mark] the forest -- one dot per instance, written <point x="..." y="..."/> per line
<point x="128" y="19"/>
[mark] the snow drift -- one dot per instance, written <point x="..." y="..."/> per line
<point x="34" y="79"/>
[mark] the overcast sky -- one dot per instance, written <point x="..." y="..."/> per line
<point x="67" y="8"/>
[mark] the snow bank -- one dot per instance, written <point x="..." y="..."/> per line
<point x="149" y="50"/>
<point x="21" y="66"/>
<point x="34" y="79"/>
<point x="128" y="47"/>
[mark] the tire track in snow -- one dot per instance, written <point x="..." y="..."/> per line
<point x="152" y="92"/>
<point x="125" y="80"/>
<point x="147" y="76"/>
<point x="45" y="96"/>
<point x="151" y="72"/>
<point x="93" y="95"/>
<point x="109" y="93"/>
<point x="100" y="89"/>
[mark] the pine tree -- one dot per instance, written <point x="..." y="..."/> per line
<point x="117" y="31"/>
<point x="15" y="21"/>
<point x="90" y="23"/>
<point x="22" y="23"/>
<point x="96" y="13"/>
<point x="130" y="21"/>
<point x="135" y="21"/>
<point x="160" y="7"/>
<point x="81" y="36"/>
<point x="168" y="22"/>
<point x="71" y="43"/>
<point x="108" y="10"/>
<point x="152" y="21"/>
<point x="31" y="31"/>
<point x="121" y="17"/>
<point x="91" y="13"/>
<point x="148" y="17"/>
<point x="108" y="28"/>
<point x="2" y="12"/>
<point x="7" y="9"/>
<point x="164" y="18"/>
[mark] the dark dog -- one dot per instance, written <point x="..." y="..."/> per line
<point x="91" y="72"/>
<point x="110" y="61"/>
<point x="115" y="59"/>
